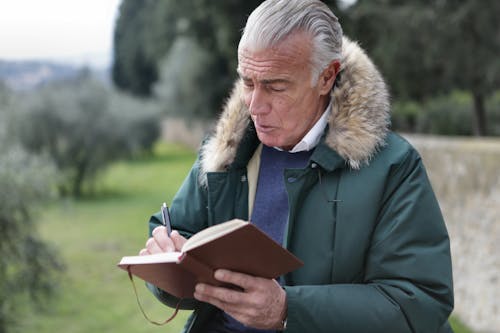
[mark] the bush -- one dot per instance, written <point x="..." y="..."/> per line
<point x="187" y="87"/>
<point x="493" y="114"/>
<point x="28" y="267"/>
<point x="447" y="115"/>
<point x="83" y="126"/>
<point x="405" y="116"/>
<point x="451" y="114"/>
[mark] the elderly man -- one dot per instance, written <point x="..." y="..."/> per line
<point x="303" y="150"/>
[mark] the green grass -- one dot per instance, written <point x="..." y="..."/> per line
<point x="458" y="326"/>
<point x="92" y="234"/>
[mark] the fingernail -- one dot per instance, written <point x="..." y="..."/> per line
<point x="219" y="274"/>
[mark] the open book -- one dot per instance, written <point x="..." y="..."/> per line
<point x="235" y="245"/>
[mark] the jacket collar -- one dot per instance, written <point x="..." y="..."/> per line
<point x="357" y="126"/>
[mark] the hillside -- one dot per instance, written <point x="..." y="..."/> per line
<point x="28" y="75"/>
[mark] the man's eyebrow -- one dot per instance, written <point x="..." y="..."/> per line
<point x="271" y="81"/>
<point x="264" y="81"/>
<point x="244" y="78"/>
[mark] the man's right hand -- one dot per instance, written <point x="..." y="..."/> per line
<point x="160" y="242"/>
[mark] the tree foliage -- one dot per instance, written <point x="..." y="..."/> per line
<point x="426" y="48"/>
<point x="145" y="38"/>
<point x="182" y="78"/>
<point x="152" y="28"/>
<point x="133" y="68"/>
<point x="82" y="125"/>
<point x="28" y="267"/>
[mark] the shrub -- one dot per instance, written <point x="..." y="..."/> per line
<point x="447" y="115"/>
<point x="28" y="267"/>
<point x="493" y="114"/>
<point x="405" y="116"/>
<point x="187" y="87"/>
<point x="83" y="126"/>
<point x="450" y="114"/>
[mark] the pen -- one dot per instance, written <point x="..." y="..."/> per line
<point x="165" y="215"/>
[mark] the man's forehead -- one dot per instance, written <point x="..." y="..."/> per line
<point x="285" y="57"/>
<point x="266" y="70"/>
<point x="296" y="44"/>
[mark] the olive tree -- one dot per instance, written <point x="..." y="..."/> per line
<point x="83" y="126"/>
<point x="28" y="266"/>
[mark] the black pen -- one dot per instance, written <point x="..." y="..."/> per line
<point x="165" y="215"/>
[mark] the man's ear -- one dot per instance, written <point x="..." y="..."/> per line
<point x="328" y="76"/>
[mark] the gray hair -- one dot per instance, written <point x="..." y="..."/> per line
<point x="274" y="20"/>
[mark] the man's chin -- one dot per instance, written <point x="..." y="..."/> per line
<point x="267" y="139"/>
<point x="272" y="142"/>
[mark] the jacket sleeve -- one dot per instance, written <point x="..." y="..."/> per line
<point x="407" y="282"/>
<point x="188" y="213"/>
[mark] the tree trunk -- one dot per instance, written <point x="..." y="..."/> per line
<point x="479" y="115"/>
<point x="4" y="308"/>
<point x="81" y="172"/>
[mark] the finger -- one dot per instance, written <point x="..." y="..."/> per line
<point x="235" y="310"/>
<point x="144" y="252"/>
<point x="244" y="281"/>
<point x="159" y="229"/>
<point x="201" y="294"/>
<point x="153" y="247"/>
<point x="219" y="295"/>
<point x="162" y="239"/>
<point x="177" y="239"/>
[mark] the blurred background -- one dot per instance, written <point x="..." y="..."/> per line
<point x="103" y="104"/>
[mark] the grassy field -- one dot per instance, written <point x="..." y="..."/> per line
<point x="92" y="235"/>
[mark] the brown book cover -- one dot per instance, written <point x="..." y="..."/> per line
<point x="235" y="245"/>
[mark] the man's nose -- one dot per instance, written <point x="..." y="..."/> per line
<point x="259" y="102"/>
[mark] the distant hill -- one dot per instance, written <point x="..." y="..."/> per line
<point x="28" y="75"/>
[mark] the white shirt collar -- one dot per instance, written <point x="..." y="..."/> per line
<point x="311" y="139"/>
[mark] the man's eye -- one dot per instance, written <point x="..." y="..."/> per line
<point x="276" y="88"/>
<point x="248" y="84"/>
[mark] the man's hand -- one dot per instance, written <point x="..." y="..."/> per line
<point x="260" y="304"/>
<point x="160" y="242"/>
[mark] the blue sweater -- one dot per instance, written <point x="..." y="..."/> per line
<point x="270" y="214"/>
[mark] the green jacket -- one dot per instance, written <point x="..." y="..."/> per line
<point x="363" y="217"/>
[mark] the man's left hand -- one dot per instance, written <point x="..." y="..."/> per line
<point x="260" y="304"/>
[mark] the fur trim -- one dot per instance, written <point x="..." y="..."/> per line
<point x="358" y="124"/>
<point x="220" y="149"/>
<point x="361" y="110"/>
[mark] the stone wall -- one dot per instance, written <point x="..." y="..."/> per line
<point x="189" y="134"/>
<point x="465" y="174"/>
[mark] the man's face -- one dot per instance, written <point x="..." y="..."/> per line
<point x="278" y="92"/>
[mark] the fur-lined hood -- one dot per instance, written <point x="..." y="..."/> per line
<point x="358" y="123"/>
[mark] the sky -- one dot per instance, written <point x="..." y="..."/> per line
<point x="72" y="31"/>
<point x="79" y="32"/>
